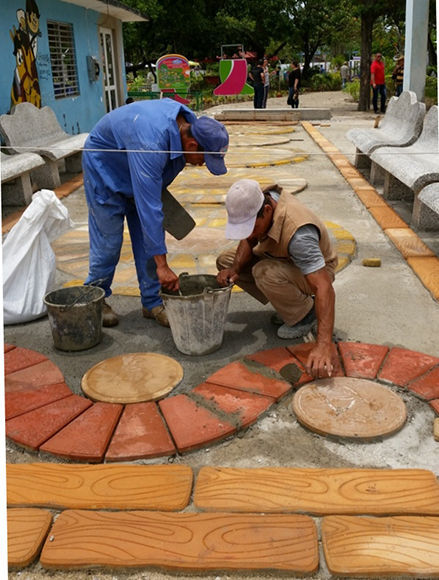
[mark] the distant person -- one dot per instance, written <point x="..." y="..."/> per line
<point x="378" y="83"/>
<point x="344" y="73"/>
<point x="257" y="77"/>
<point x="398" y="75"/>
<point x="285" y="256"/>
<point x="294" y="79"/>
<point x="266" y="83"/>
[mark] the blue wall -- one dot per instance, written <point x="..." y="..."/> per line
<point x="75" y="114"/>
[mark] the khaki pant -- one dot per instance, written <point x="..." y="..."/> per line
<point x="277" y="281"/>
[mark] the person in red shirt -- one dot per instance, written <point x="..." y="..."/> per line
<point x="378" y="82"/>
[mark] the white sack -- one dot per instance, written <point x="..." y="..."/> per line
<point x="28" y="259"/>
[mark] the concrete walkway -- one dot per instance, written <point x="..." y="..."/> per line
<point x="388" y="310"/>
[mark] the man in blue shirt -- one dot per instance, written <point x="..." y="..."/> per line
<point x="131" y="155"/>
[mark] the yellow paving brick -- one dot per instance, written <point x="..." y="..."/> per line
<point x="149" y="487"/>
<point x="27" y="529"/>
<point x="184" y="541"/>
<point x="370" y="197"/>
<point x="408" y="243"/>
<point x="343" y="261"/>
<point x="181" y="261"/>
<point x="427" y="270"/>
<point x="127" y="290"/>
<point x="346" y="247"/>
<point x="318" y="491"/>
<point x="386" y="217"/>
<point x="217" y="223"/>
<point x="392" y="546"/>
<point x="124" y="275"/>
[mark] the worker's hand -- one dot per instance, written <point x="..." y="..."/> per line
<point x="167" y="278"/>
<point x="322" y="361"/>
<point x="226" y="277"/>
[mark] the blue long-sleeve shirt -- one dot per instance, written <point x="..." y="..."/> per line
<point x="147" y="134"/>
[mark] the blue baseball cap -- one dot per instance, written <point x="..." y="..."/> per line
<point x="213" y="137"/>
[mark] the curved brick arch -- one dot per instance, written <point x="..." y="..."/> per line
<point x="42" y="414"/>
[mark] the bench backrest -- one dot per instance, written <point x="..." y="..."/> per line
<point x="27" y="124"/>
<point x="429" y="135"/>
<point x="404" y="116"/>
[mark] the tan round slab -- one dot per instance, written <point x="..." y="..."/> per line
<point x="132" y="378"/>
<point x="348" y="407"/>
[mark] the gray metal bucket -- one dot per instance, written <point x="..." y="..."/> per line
<point x="75" y="316"/>
<point x="197" y="314"/>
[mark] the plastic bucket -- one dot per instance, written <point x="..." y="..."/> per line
<point x="197" y="314"/>
<point x="75" y="316"/>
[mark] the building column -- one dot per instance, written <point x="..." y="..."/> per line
<point x="416" y="31"/>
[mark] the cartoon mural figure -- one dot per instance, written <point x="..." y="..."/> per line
<point x="173" y="75"/>
<point x="25" y="85"/>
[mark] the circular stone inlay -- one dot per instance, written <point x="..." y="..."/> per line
<point x="349" y="407"/>
<point x="132" y="378"/>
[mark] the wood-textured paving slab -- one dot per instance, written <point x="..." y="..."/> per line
<point x="17" y="403"/>
<point x="199" y="542"/>
<point x="362" y="360"/>
<point x="349" y="407"/>
<point x="21" y="358"/>
<point x="377" y="547"/>
<point x="318" y="491"/>
<point x="403" y="366"/>
<point x="148" y="487"/>
<point x="27" y="529"/>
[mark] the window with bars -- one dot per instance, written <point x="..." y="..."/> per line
<point x="63" y="59"/>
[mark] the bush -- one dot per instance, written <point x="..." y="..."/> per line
<point x="353" y="88"/>
<point x="325" y="82"/>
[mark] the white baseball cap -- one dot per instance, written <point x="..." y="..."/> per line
<point x="243" y="201"/>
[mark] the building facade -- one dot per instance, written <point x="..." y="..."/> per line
<point x="67" y="54"/>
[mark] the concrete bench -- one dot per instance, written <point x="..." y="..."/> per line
<point x="400" y="127"/>
<point x="30" y="129"/>
<point x="425" y="214"/>
<point x="15" y="173"/>
<point x="407" y="170"/>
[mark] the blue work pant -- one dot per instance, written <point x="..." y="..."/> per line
<point x="381" y="90"/>
<point x="105" y="226"/>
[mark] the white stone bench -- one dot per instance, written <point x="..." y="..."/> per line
<point x="425" y="214"/>
<point x="30" y="129"/>
<point x="400" y="127"/>
<point x="15" y="173"/>
<point x="407" y="170"/>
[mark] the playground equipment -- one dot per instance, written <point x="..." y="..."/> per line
<point x="233" y="72"/>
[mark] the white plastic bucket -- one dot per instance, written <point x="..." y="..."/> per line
<point x="197" y="314"/>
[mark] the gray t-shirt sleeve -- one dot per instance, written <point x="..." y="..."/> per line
<point x="305" y="251"/>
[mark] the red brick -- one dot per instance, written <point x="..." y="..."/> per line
<point x="17" y="403"/>
<point x="402" y="366"/>
<point x="21" y="358"/>
<point x="191" y="425"/>
<point x="35" y="427"/>
<point x="244" y="407"/>
<point x="427" y="386"/>
<point x="8" y="347"/>
<point x="301" y="352"/>
<point x="34" y="377"/>
<point x="435" y="405"/>
<point x="140" y="433"/>
<point x="362" y="360"/>
<point x="275" y="358"/>
<point x="86" y="438"/>
<point x="238" y="376"/>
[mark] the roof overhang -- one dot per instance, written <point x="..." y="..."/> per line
<point x="112" y="8"/>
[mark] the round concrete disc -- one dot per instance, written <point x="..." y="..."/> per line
<point x="348" y="407"/>
<point x="132" y="378"/>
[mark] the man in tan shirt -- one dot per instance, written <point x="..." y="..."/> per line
<point x="285" y="257"/>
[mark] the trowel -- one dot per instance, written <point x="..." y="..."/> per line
<point x="176" y="221"/>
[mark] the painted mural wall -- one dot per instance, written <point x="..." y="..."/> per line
<point x="26" y="70"/>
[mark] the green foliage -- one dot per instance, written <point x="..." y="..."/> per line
<point x="431" y="89"/>
<point x="353" y="88"/>
<point x="324" y="82"/>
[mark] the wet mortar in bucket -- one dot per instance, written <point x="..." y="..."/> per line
<point x="75" y="317"/>
<point x="197" y="313"/>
